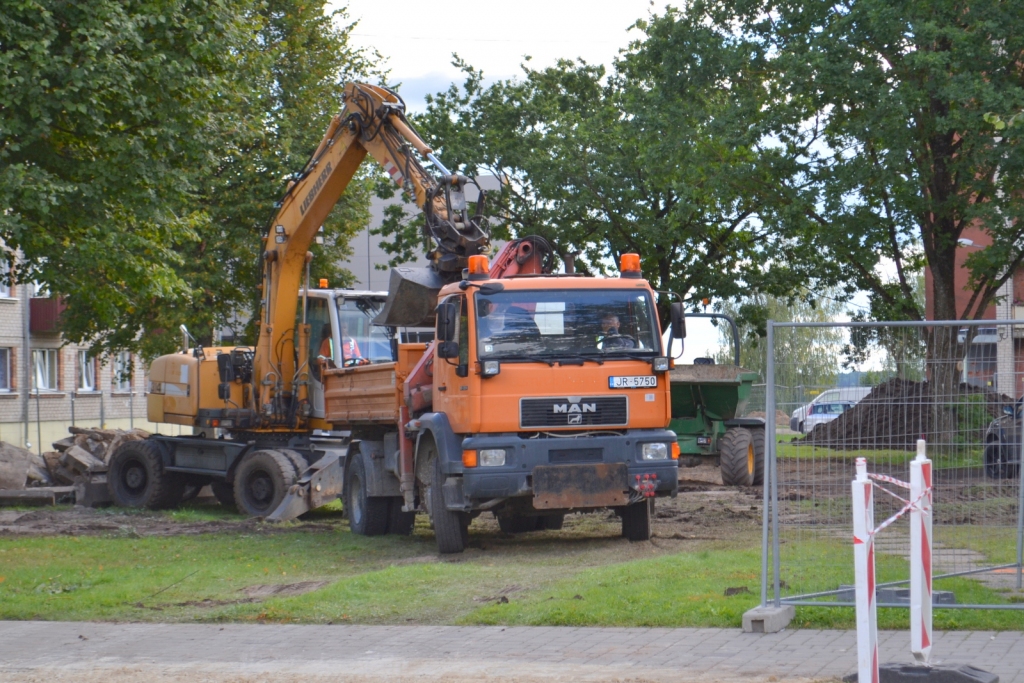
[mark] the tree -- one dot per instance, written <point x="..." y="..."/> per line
<point x="144" y="142"/>
<point x="664" y="156"/>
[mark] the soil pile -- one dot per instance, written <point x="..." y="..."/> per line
<point x="897" y="412"/>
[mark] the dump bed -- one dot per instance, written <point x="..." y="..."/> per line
<point x="361" y="394"/>
<point x="369" y="393"/>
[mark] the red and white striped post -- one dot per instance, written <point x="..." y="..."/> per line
<point x="864" y="561"/>
<point x="921" y="555"/>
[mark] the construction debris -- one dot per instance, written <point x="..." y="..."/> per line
<point x="77" y="465"/>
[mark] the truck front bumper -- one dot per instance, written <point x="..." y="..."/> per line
<point x="602" y="466"/>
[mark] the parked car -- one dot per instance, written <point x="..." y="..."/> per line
<point x="1002" y="443"/>
<point x="851" y="395"/>
<point x="823" y="413"/>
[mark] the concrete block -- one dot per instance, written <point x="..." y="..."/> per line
<point x="768" y="619"/>
<point x="92" y="491"/>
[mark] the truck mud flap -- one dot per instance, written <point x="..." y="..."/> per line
<point x="580" y="486"/>
<point x="320" y="484"/>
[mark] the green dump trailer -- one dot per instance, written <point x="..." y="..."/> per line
<point x="706" y="399"/>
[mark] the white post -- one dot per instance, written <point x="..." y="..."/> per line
<point x="921" y="555"/>
<point x="864" y="560"/>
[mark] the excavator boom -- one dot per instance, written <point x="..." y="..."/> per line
<point x="372" y="122"/>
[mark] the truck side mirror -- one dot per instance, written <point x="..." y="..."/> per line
<point x="448" y="349"/>
<point x="678" y="321"/>
<point x="447" y="320"/>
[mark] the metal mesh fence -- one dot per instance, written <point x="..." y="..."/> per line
<point x="871" y="390"/>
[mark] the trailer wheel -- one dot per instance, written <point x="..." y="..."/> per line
<point x="367" y="515"/>
<point x="399" y="523"/>
<point x="224" y="492"/>
<point x="261" y="482"/>
<point x="758" y="437"/>
<point x="738" y="457"/>
<point x="136" y="477"/>
<point x="636" y="521"/>
<point x="451" y="529"/>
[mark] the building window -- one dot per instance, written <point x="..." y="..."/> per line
<point x="122" y="379"/>
<point x="44" y="365"/>
<point x="86" y="371"/>
<point x="5" y="369"/>
<point x="5" y="284"/>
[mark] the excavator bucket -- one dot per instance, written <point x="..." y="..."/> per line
<point x="412" y="298"/>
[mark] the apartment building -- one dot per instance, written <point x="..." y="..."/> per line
<point x="46" y="385"/>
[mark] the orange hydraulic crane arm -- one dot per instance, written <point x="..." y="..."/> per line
<point x="372" y="121"/>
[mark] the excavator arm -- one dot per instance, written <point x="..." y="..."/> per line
<point x="372" y="122"/>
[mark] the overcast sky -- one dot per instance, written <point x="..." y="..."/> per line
<point x="417" y="39"/>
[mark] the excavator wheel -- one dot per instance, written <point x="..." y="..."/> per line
<point x="367" y="516"/>
<point x="136" y="477"/>
<point x="738" y="456"/>
<point x="261" y="482"/>
<point x="297" y="459"/>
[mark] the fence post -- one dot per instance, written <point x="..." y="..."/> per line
<point x="864" y="564"/>
<point x="921" y="555"/>
<point x="769" y="474"/>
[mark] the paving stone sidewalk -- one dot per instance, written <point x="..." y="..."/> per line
<point x="484" y="653"/>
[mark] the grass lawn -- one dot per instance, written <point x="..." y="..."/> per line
<point x="585" y="575"/>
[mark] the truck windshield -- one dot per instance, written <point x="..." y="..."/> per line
<point x="360" y="340"/>
<point x="545" y="324"/>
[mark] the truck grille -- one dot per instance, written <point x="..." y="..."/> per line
<point x="579" y="411"/>
<point x="563" y="455"/>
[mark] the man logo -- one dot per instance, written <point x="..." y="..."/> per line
<point x="575" y="408"/>
<point x="576" y="419"/>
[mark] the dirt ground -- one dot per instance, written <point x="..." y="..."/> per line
<point x="702" y="511"/>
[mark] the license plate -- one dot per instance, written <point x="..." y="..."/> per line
<point x="703" y="440"/>
<point x="632" y="382"/>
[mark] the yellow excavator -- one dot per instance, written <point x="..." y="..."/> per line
<point x="258" y="414"/>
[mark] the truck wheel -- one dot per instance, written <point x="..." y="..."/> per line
<point x="367" y="515"/>
<point x="518" y="524"/>
<point x="550" y="522"/>
<point x="636" y="521"/>
<point x="737" y="457"/>
<point x="224" y="492"/>
<point x="261" y="482"/>
<point x="136" y="477"/>
<point x="758" y="437"/>
<point x="399" y="523"/>
<point x="451" y="529"/>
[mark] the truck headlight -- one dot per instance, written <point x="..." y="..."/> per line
<point x="654" y="451"/>
<point x="492" y="457"/>
<point x="660" y="364"/>
<point x="491" y="368"/>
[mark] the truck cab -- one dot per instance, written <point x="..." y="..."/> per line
<point x="540" y="396"/>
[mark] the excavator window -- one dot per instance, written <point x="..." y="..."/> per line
<point x="361" y="341"/>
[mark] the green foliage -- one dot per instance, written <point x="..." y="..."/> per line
<point x="805" y="356"/>
<point x="883" y="105"/>
<point x="664" y="156"/>
<point x="143" y="143"/>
